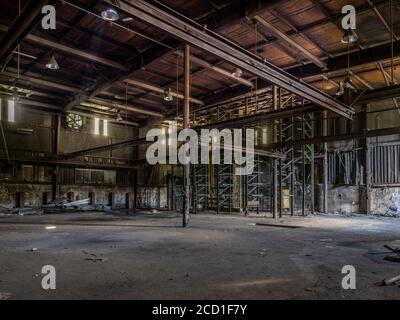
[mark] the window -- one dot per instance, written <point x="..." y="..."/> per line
<point x="7" y="110"/>
<point x="97" y="126"/>
<point x="74" y="121"/>
<point x="105" y="128"/>
<point x="264" y="136"/>
<point x="11" y="111"/>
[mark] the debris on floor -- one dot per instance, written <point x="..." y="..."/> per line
<point x="5" y="295"/>
<point x="390" y="281"/>
<point x="94" y="258"/>
<point x="393" y="258"/>
<point x="277" y="225"/>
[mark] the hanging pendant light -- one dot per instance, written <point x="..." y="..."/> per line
<point x="119" y="117"/>
<point x="110" y="14"/>
<point x="340" y="90"/>
<point x="168" y="95"/>
<point x="238" y="73"/>
<point x="52" y="64"/>
<point x="349" y="84"/>
<point x="350" y="37"/>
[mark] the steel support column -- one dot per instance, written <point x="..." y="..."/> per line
<point x="186" y="125"/>
<point x="325" y="162"/>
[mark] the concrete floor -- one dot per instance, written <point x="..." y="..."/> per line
<point x="218" y="257"/>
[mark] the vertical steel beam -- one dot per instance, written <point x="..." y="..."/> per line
<point x="325" y="163"/>
<point x="368" y="167"/>
<point x="275" y="128"/>
<point x="56" y="132"/>
<point x="186" y="125"/>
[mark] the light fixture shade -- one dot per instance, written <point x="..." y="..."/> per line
<point x="167" y="95"/>
<point x="52" y="64"/>
<point x="110" y="14"/>
<point x="340" y="90"/>
<point x="349" y="84"/>
<point x="350" y="37"/>
<point x="238" y="73"/>
<point x="119" y="117"/>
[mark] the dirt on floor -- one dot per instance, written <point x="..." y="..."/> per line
<point x="149" y="256"/>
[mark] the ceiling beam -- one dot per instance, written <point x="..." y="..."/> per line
<point x="228" y="51"/>
<point x="283" y="36"/>
<point x="157" y="89"/>
<point x="290" y="24"/>
<point x="41" y="82"/>
<point x="22" y="26"/>
<point x="209" y="66"/>
<point x="69" y="50"/>
<point x="381" y="94"/>
<point x="382" y="19"/>
<point x="127" y="107"/>
<point x="358" y="59"/>
<point x="75" y="52"/>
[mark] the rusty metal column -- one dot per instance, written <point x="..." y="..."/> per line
<point x="325" y="165"/>
<point x="368" y="165"/>
<point x="275" y="129"/>
<point x="186" y="125"/>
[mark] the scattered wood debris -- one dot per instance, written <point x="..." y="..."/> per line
<point x="390" y="281"/>
<point x="394" y="258"/>
<point x="94" y="258"/>
<point x="277" y="225"/>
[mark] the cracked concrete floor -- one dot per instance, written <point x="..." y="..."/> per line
<point x="148" y="256"/>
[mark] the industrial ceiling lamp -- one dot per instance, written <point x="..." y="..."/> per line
<point x="349" y="84"/>
<point x="238" y="73"/>
<point x="52" y="64"/>
<point x="350" y="37"/>
<point x="340" y="90"/>
<point x="168" y="95"/>
<point x="110" y="14"/>
<point x="119" y="117"/>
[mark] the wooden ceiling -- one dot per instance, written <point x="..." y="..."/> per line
<point x="135" y="50"/>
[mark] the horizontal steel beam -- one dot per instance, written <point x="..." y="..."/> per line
<point x="340" y="137"/>
<point x="319" y="62"/>
<point x="157" y="89"/>
<point x="207" y="65"/>
<point x="380" y="94"/>
<point x="91" y="114"/>
<point x="71" y="51"/>
<point x="41" y="82"/>
<point x="109" y="147"/>
<point x="141" y="141"/>
<point x="260" y="118"/>
<point x="127" y="107"/>
<point x="210" y="42"/>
